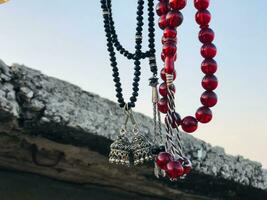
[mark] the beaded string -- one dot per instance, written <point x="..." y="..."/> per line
<point x="172" y="161"/>
<point x="112" y="41"/>
<point x="175" y="148"/>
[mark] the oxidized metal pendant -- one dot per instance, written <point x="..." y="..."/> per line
<point x="119" y="151"/>
<point x="141" y="149"/>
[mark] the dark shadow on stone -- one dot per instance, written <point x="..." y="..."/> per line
<point x="214" y="187"/>
<point x="24" y="186"/>
<point x="68" y="135"/>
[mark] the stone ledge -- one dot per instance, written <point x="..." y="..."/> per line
<point x="34" y="104"/>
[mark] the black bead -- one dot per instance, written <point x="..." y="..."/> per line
<point x="135" y="84"/>
<point x="135" y="89"/>
<point x="116" y="79"/>
<point x="137" y="73"/>
<point x="139" y="29"/>
<point x="131" y="104"/>
<point x="154" y="68"/>
<point x="135" y="94"/>
<point x="133" y="99"/>
<point x="115" y="74"/>
<point x="129" y="56"/>
<point x="118" y="90"/>
<point x="118" y="84"/>
<point x="162" y="148"/>
<point x="153" y="51"/>
<point x="112" y="59"/>
<point x="119" y="95"/>
<point x="155" y="150"/>
<point x="114" y="64"/>
<point x="136" y="79"/>
<point x="112" y="53"/>
<point x="137" y="62"/>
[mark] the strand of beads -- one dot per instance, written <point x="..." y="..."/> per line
<point x="170" y="18"/>
<point x="209" y="65"/>
<point x="172" y="161"/>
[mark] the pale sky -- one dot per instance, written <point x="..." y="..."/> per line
<point x="66" y="39"/>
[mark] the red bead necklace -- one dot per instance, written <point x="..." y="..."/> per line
<point x="174" y="163"/>
<point x="170" y="19"/>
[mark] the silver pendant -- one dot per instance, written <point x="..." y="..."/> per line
<point x="119" y="150"/>
<point x="141" y="148"/>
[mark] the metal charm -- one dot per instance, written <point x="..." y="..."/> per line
<point x="141" y="149"/>
<point x="119" y="150"/>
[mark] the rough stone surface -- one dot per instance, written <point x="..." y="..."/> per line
<point x="64" y="113"/>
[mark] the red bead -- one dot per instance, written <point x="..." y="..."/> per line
<point x="174" y="18"/>
<point x="209" y="82"/>
<point x="201" y="4"/>
<point x="208" y="51"/>
<point x="177" y="4"/>
<point x="204" y="114"/>
<point x="163" y="89"/>
<point x="208" y="98"/>
<point x="189" y="124"/>
<point x="169" y="65"/>
<point x="162" y="8"/>
<point x="206" y="35"/>
<point x="203" y="17"/>
<point x="163" y="57"/>
<point x="163" y="159"/>
<point x="176" y="120"/>
<point x="163" y="74"/>
<point x="169" y="33"/>
<point x="169" y="50"/>
<point x="162" y="22"/>
<point x="162" y="105"/>
<point x="209" y="66"/>
<point x="174" y="169"/>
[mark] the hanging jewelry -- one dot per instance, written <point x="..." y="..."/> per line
<point x="173" y="162"/>
<point x="141" y="148"/>
<point x="170" y="159"/>
<point x="120" y="148"/>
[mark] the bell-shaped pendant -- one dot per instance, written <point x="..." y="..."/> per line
<point x="119" y="151"/>
<point x="141" y="149"/>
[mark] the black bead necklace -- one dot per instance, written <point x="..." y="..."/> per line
<point x="139" y="149"/>
<point x="113" y="42"/>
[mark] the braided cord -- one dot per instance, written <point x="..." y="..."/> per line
<point x="173" y="146"/>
